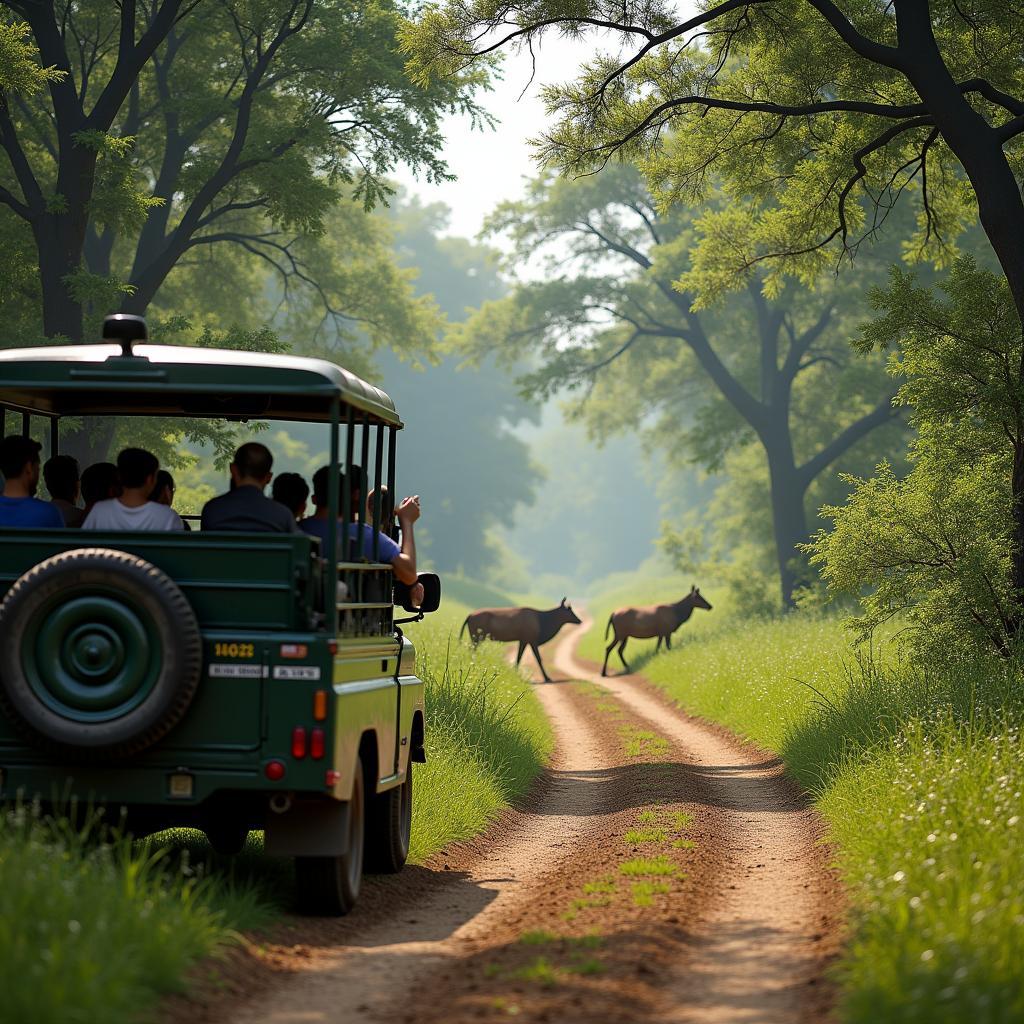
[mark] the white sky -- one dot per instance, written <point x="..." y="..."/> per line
<point x="491" y="166"/>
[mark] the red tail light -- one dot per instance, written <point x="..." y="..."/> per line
<point x="316" y="744"/>
<point x="298" y="741"/>
<point x="274" y="770"/>
<point x="332" y="777"/>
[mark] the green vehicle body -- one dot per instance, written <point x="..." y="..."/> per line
<point x="291" y="677"/>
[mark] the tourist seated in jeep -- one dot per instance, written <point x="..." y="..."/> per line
<point x="133" y="510"/>
<point x="62" y="481"/>
<point x="245" y="506"/>
<point x="291" y="491"/>
<point x="19" y="506"/>
<point x="402" y="558"/>
<point x="100" y="481"/>
<point x="163" y="494"/>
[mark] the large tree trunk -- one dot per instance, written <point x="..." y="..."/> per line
<point x="789" y="525"/>
<point x="1017" y="554"/>
<point x="789" y="517"/>
<point x="60" y="255"/>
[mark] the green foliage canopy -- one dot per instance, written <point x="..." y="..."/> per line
<point x="167" y="129"/>
<point x="938" y="544"/>
<point x="826" y="112"/>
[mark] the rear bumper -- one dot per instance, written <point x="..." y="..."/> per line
<point x="163" y="788"/>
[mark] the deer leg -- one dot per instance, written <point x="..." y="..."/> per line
<point x="622" y="656"/>
<point x="611" y="647"/>
<point x="657" y="646"/>
<point x="543" y="670"/>
<point x="519" y="656"/>
<point x="668" y="641"/>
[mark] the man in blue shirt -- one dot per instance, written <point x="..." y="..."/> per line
<point x="19" y="507"/>
<point x="401" y="558"/>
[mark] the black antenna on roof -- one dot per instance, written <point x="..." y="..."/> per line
<point x="124" y="328"/>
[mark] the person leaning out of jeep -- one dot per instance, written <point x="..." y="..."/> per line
<point x="19" y="506"/>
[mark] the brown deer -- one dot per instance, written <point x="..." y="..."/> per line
<point x="660" y="620"/>
<point x="525" y="625"/>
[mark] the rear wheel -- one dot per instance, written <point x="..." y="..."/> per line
<point x="226" y="837"/>
<point x="389" y="828"/>
<point x="329" y="886"/>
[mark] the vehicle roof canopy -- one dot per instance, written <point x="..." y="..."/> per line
<point x="174" y="380"/>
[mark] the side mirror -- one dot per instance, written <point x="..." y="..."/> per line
<point x="431" y="594"/>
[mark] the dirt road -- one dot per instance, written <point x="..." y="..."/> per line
<point x="662" y="871"/>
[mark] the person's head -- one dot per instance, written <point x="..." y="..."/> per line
<point x="19" y="462"/>
<point x="321" y="488"/>
<point x="61" y="476"/>
<point x="358" y="478"/>
<point x="252" y="465"/>
<point x="163" y="489"/>
<point x="291" y="491"/>
<point x="137" y="469"/>
<point x="100" y="482"/>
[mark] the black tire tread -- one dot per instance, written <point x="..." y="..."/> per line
<point x="189" y="644"/>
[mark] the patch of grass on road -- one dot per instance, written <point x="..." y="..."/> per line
<point x="644" y="892"/>
<point x="648" y="866"/>
<point x="648" y="834"/>
<point x="919" y="771"/>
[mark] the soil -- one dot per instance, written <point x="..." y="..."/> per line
<point x="733" y="915"/>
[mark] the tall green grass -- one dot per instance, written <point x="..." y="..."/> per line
<point x="95" y="928"/>
<point x="487" y="736"/>
<point x="919" y="772"/>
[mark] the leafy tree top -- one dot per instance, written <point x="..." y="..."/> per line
<point x="827" y="111"/>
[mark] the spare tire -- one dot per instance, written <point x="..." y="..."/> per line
<point x="100" y="654"/>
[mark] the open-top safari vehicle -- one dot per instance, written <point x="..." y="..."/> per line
<point x="224" y="681"/>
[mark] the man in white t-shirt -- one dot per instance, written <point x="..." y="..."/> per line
<point x="133" y="510"/>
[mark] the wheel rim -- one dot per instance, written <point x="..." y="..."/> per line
<point x="90" y="655"/>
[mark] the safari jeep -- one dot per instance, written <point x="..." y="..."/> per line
<point x="223" y="681"/>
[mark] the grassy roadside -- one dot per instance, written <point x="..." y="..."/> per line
<point x="919" y="775"/>
<point x="487" y="734"/>
<point x="95" y="928"/>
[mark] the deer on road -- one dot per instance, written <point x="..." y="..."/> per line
<point x="656" y="620"/>
<point x="528" y="626"/>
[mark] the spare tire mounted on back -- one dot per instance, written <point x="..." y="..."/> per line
<point x="101" y="653"/>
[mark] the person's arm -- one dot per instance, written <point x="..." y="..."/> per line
<point x="404" y="563"/>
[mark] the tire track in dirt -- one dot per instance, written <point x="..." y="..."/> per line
<point x="740" y="934"/>
<point x="378" y="962"/>
<point x="772" y="924"/>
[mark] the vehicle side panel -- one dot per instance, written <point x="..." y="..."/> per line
<point x="232" y="580"/>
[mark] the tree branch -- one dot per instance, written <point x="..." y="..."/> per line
<point x="882" y="413"/>
<point x="799" y="346"/>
